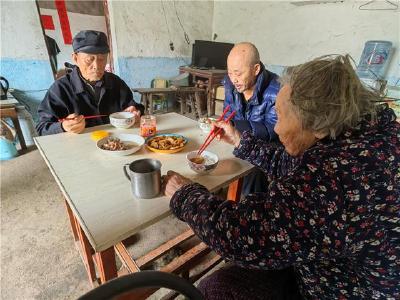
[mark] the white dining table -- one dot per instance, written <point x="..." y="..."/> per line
<point x="99" y="201"/>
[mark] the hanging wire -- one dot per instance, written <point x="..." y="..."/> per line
<point x="169" y="33"/>
<point x="187" y="39"/>
<point x="166" y="23"/>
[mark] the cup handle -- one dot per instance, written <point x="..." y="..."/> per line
<point x="126" y="172"/>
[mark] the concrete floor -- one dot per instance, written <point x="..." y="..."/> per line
<point x="38" y="256"/>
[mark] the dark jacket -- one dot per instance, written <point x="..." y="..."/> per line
<point x="259" y="114"/>
<point x="332" y="213"/>
<point x="69" y="95"/>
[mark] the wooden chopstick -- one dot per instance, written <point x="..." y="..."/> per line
<point x="211" y="132"/>
<point x="85" y="117"/>
<point x="205" y="145"/>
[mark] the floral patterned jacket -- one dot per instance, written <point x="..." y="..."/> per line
<point x="333" y="213"/>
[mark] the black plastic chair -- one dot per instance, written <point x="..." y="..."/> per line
<point x="143" y="279"/>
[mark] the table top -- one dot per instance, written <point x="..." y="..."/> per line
<point x="100" y="195"/>
<point x="155" y="90"/>
<point x="172" y="89"/>
<point x="203" y="71"/>
<point x="9" y="102"/>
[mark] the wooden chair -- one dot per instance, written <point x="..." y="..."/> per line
<point x="145" y="279"/>
<point x="160" y="101"/>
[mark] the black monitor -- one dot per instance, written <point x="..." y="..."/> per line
<point x="210" y="55"/>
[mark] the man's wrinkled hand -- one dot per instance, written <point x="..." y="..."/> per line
<point x="134" y="111"/>
<point x="173" y="182"/>
<point x="76" y="125"/>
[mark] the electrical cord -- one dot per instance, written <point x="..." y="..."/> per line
<point x="187" y="39"/>
<point x="171" y="44"/>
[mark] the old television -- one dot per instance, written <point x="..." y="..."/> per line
<point x="210" y="55"/>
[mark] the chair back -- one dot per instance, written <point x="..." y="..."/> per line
<point x="143" y="279"/>
<point x="159" y="83"/>
<point x="159" y="100"/>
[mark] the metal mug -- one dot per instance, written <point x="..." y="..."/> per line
<point x="145" y="177"/>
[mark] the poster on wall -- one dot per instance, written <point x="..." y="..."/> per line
<point x="61" y="20"/>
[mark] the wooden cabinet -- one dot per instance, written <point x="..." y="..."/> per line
<point x="214" y="78"/>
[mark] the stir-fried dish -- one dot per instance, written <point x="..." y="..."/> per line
<point x="166" y="142"/>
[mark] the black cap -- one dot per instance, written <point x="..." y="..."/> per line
<point x="90" y="41"/>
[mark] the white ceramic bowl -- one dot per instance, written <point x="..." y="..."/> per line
<point x="122" y="119"/>
<point x="205" y="124"/>
<point x="133" y="141"/>
<point x="210" y="163"/>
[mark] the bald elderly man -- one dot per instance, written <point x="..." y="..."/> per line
<point x="251" y="90"/>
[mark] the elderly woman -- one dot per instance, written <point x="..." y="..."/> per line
<point x="332" y="210"/>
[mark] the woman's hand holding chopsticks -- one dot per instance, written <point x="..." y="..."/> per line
<point x="227" y="133"/>
<point x="216" y="130"/>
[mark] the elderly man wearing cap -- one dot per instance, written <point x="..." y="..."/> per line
<point x="86" y="90"/>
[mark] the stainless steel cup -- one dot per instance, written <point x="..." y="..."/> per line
<point x="145" y="177"/>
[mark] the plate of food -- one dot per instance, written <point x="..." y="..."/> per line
<point x="166" y="143"/>
<point x="120" y="144"/>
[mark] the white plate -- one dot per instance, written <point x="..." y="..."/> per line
<point x="134" y="141"/>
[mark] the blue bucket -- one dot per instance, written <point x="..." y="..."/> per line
<point x="7" y="149"/>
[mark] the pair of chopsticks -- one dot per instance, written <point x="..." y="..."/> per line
<point x="213" y="133"/>
<point x="85" y="117"/>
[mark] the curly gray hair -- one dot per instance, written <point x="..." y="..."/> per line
<point x="327" y="94"/>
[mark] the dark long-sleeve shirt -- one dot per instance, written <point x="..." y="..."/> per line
<point x="69" y="94"/>
<point x="333" y="213"/>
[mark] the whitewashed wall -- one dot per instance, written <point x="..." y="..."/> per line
<point x="17" y="40"/>
<point x="24" y="60"/>
<point x="142" y="34"/>
<point x="286" y="34"/>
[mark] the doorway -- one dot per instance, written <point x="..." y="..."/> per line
<point x="61" y="20"/>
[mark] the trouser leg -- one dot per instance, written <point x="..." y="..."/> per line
<point x="233" y="282"/>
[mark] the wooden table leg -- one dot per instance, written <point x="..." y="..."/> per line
<point x="83" y="245"/>
<point x="143" y="100"/>
<point x="86" y="252"/>
<point x="197" y="98"/>
<point x="106" y="264"/>
<point x="12" y="114"/>
<point x="19" y="133"/>
<point x="183" y="103"/>
<point x="208" y="102"/>
<point x="212" y="97"/>
<point x="235" y="190"/>
<point x="72" y="221"/>
<point x="105" y="260"/>
<point x="150" y="99"/>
